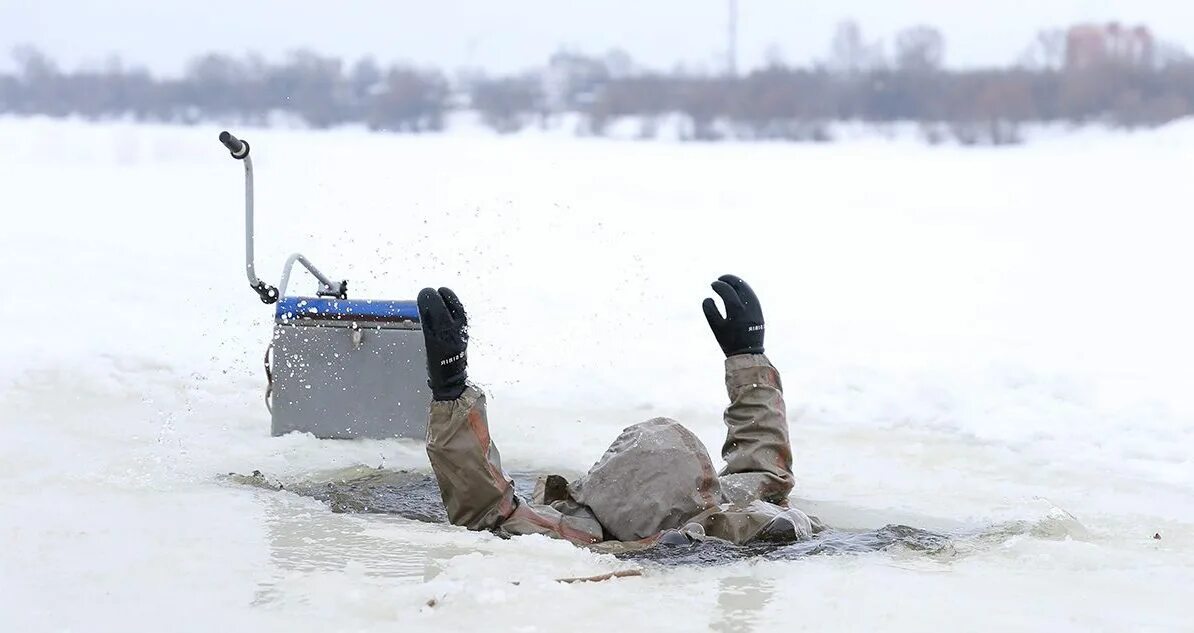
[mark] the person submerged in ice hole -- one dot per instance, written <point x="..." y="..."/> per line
<point x="655" y="483"/>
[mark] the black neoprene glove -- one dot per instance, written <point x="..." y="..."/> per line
<point x="445" y="332"/>
<point x="741" y="330"/>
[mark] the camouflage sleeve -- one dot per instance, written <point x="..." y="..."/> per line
<point x="757" y="451"/>
<point x="476" y="492"/>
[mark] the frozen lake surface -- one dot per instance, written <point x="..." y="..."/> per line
<point x="988" y="344"/>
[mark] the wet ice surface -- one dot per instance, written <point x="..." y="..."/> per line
<point x="988" y="345"/>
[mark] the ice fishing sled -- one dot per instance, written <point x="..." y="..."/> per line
<point x="336" y="367"/>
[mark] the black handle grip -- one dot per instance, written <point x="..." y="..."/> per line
<point x="239" y="148"/>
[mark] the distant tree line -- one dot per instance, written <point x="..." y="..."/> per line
<point x="319" y="90"/>
<point x="1107" y="74"/>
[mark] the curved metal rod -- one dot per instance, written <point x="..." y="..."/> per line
<point x="325" y="283"/>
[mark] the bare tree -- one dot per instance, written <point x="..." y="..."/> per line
<point x="363" y="82"/>
<point x="920" y="49"/>
<point x="507" y="104"/>
<point x="315" y="87"/>
<point x="1046" y="52"/>
<point x="408" y="100"/>
<point x="848" y="53"/>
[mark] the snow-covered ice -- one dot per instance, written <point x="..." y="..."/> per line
<point x="968" y="338"/>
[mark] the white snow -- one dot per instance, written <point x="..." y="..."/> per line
<point x="967" y="337"/>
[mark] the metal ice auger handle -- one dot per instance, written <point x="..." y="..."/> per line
<point x="268" y="293"/>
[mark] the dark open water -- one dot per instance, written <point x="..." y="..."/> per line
<point x="415" y="495"/>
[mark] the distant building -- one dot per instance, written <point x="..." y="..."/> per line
<point x="1112" y="44"/>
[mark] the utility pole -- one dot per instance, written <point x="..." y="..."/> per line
<point x="732" y="44"/>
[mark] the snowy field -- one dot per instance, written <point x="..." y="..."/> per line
<point x="984" y="341"/>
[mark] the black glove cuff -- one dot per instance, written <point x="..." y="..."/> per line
<point x="448" y="392"/>
<point x="450" y="386"/>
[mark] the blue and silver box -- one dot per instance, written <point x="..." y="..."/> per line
<point x="344" y="369"/>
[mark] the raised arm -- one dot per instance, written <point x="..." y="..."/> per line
<point x="477" y="492"/>
<point x="757" y="449"/>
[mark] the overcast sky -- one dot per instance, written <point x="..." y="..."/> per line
<point x="516" y="34"/>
